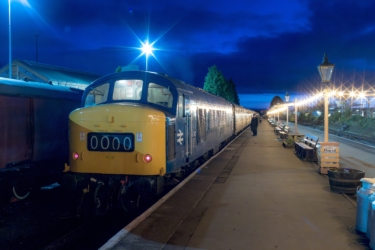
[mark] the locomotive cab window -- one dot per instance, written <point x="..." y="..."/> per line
<point x="129" y="89"/>
<point x="159" y="95"/>
<point x="97" y="95"/>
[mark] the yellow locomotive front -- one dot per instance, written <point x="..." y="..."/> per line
<point x="118" y="140"/>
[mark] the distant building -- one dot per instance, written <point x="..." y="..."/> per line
<point x="46" y="73"/>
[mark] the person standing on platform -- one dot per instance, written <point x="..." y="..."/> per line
<point x="254" y="125"/>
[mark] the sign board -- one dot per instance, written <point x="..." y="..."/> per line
<point x="328" y="156"/>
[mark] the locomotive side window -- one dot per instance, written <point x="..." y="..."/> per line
<point x="181" y="105"/>
<point x="159" y="95"/>
<point x="130" y="89"/>
<point x="187" y="106"/>
<point x="97" y="95"/>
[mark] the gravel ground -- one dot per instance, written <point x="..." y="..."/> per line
<point x="36" y="221"/>
<point x="48" y="215"/>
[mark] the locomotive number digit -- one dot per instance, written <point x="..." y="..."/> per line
<point x="104" y="145"/>
<point x="127" y="143"/>
<point x="117" y="142"/>
<point x="94" y="146"/>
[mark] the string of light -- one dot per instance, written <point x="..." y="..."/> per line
<point x="331" y="93"/>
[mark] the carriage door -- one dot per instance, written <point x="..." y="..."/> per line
<point x="184" y="127"/>
<point x="188" y="126"/>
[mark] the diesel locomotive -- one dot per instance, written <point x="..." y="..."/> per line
<point x="137" y="130"/>
<point x="34" y="134"/>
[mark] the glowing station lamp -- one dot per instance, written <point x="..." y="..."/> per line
<point x="287" y="96"/>
<point x="325" y="70"/>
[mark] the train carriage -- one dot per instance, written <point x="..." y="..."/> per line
<point x="34" y="138"/>
<point x="139" y="129"/>
<point x="242" y="118"/>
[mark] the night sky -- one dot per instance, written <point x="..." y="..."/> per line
<point x="267" y="47"/>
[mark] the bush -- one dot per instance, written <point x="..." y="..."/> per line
<point x="336" y="116"/>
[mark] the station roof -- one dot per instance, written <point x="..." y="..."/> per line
<point x="40" y="72"/>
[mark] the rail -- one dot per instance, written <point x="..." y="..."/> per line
<point x="341" y="133"/>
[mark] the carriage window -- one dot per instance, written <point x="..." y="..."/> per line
<point x="128" y="90"/>
<point x="159" y="95"/>
<point x="201" y="125"/>
<point x="97" y="95"/>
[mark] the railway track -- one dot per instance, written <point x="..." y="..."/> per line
<point x="47" y="220"/>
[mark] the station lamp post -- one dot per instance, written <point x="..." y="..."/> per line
<point x="325" y="70"/>
<point x="10" y="44"/>
<point x="287" y="96"/>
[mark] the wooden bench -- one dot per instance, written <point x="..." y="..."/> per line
<point x="281" y="131"/>
<point x="272" y="122"/>
<point x="286" y="129"/>
<point x="306" y="148"/>
<point x="278" y="127"/>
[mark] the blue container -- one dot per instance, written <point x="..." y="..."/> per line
<point x="363" y="204"/>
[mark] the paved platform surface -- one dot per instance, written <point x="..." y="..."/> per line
<point x="254" y="195"/>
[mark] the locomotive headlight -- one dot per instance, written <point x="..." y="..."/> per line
<point x="147" y="158"/>
<point x="75" y="156"/>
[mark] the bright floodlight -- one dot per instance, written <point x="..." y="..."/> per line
<point x="147" y="48"/>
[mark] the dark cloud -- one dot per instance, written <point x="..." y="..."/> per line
<point x="264" y="46"/>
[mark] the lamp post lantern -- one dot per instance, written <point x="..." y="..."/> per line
<point x="325" y="70"/>
<point x="287" y="96"/>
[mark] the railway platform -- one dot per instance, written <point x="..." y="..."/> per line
<point x="255" y="194"/>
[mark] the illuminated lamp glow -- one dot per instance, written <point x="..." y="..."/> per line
<point x="147" y="158"/>
<point x="362" y="94"/>
<point x="352" y="94"/>
<point x="147" y="48"/>
<point x="75" y="156"/>
<point x="341" y="93"/>
<point x="332" y="93"/>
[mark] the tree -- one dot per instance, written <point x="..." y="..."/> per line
<point x="277" y="99"/>
<point x="236" y="98"/>
<point x="215" y="82"/>
<point x="119" y="69"/>
<point x="229" y="95"/>
<point x="232" y="95"/>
